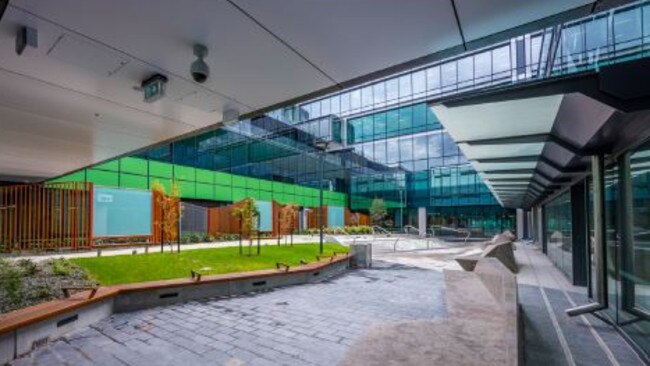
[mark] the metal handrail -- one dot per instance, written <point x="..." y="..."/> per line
<point x="459" y="231"/>
<point x="406" y="229"/>
<point x="381" y="229"/>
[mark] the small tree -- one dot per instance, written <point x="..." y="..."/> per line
<point x="378" y="211"/>
<point x="287" y="218"/>
<point x="169" y="204"/>
<point x="247" y="213"/>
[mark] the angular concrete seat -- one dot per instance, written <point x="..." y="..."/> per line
<point x="468" y="262"/>
<point x="504" y="253"/>
<point x="481" y="329"/>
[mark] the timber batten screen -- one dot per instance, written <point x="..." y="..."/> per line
<point x="42" y="217"/>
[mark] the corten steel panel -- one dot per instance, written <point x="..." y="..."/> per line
<point x="194" y="218"/>
<point x="52" y="216"/>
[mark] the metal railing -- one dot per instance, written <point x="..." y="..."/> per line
<point x="585" y="44"/>
<point x="465" y="232"/>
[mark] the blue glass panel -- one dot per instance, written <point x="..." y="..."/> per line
<point x="121" y="212"/>
<point x="266" y="212"/>
<point x="335" y="216"/>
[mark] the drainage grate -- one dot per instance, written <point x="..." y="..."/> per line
<point x="67" y="320"/>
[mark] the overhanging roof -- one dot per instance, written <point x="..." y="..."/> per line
<point x="71" y="102"/>
<point x="524" y="147"/>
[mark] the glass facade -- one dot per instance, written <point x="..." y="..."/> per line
<point x="559" y="233"/>
<point x="628" y="259"/>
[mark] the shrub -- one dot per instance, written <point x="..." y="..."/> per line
<point x="207" y="238"/>
<point x="62" y="267"/>
<point x="28" y="267"/>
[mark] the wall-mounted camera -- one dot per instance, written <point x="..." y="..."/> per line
<point x="199" y="69"/>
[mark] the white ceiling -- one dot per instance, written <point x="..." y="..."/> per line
<point x="71" y="103"/>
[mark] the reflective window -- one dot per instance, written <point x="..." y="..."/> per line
<point x="483" y="67"/>
<point x="449" y="76"/>
<point x="392" y="90"/>
<point x="379" y="94"/>
<point x="419" y="84"/>
<point x="366" y="97"/>
<point x="559" y="232"/>
<point x="405" y="90"/>
<point x="465" y="72"/>
<point x="355" y="100"/>
<point x="627" y="28"/>
<point x="501" y="63"/>
<point x="433" y="79"/>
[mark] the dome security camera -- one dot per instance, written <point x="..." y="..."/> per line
<point x="199" y="69"/>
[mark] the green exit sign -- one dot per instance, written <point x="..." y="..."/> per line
<point x="154" y="88"/>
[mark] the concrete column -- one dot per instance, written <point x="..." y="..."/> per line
<point x="521" y="223"/>
<point x="422" y="221"/>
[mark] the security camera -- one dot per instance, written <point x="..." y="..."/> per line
<point x="199" y="69"/>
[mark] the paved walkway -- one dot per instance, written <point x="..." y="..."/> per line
<point x="553" y="338"/>
<point x="300" y="325"/>
<point x="316" y="324"/>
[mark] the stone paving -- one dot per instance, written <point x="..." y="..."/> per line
<point x="301" y="325"/>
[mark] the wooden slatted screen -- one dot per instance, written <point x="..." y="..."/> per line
<point x="44" y="217"/>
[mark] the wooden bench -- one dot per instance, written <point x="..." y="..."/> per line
<point x="279" y="265"/>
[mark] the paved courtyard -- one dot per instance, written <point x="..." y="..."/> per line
<point x="300" y="325"/>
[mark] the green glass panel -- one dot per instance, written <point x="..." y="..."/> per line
<point x="223" y="179"/>
<point x="112" y="165"/>
<point x="223" y="193"/>
<point x="162" y="170"/>
<point x="204" y="176"/>
<point x="184" y="173"/>
<point x="102" y="178"/>
<point x="252" y="183"/>
<point x="188" y="189"/>
<point x="264" y="195"/>
<point x="238" y="181"/>
<point x="238" y="194"/>
<point x="133" y="166"/>
<point x="204" y="191"/>
<point x="266" y="185"/>
<point x="166" y="183"/>
<point x="277" y="187"/>
<point x="253" y="193"/>
<point x="133" y="181"/>
<point x="290" y="188"/>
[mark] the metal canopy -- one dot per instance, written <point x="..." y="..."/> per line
<point x="522" y="148"/>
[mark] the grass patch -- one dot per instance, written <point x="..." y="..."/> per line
<point x="162" y="266"/>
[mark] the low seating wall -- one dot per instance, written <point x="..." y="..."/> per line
<point x="483" y="305"/>
<point x="24" y="330"/>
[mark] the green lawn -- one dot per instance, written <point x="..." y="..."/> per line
<point x="156" y="266"/>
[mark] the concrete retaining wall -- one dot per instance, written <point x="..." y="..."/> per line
<point x="25" y="339"/>
<point x="129" y="300"/>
